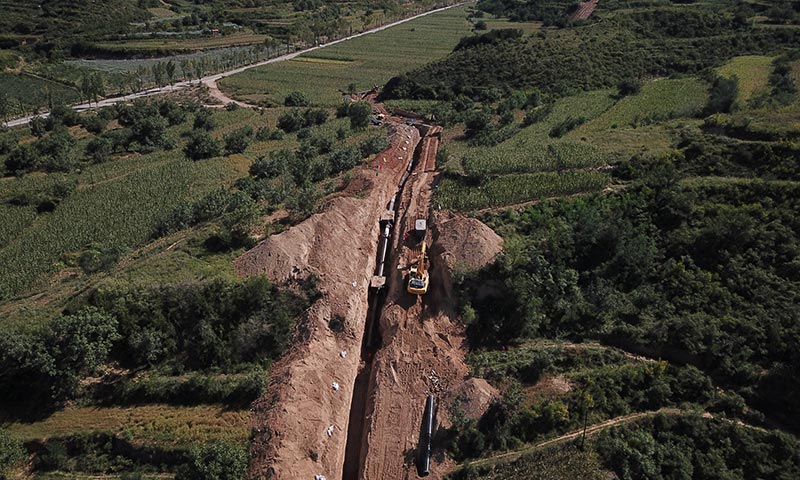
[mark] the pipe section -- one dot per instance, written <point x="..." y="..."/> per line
<point x="425" y="437"/>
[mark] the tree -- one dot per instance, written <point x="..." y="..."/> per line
<point x="169" y="69"/>
<point x="5" y="106"/>
<point x="202" y="145"/>
<point x="305" y="201"/>
<point x="629" y="86"/>
<point x="219" y="460"/>
<point x="238" y="140"/>
<point x="204" y="119"/>
<point x="723" y="95"/>
<point x="315" y="116"/>
<point x="359" y="113"/>
<point x="477" y="122"/>
<point x="22" y="159"/>
<point x="272" y="166"/>
<point x="158" y="73"/>
<point x="373" y="145"/>
<point x="79" y="344"/>
<point x="344" y="158"/>
<point x="100" y="149"/>
<point x="291" y="121"/>
<point x="58" y="151"/>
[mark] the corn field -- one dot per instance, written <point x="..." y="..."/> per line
<point x="455" y="193"/>
<point x="118" y="212"/>
<point x="546" y="158"/>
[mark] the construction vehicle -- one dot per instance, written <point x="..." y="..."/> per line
<point x="418" y="274"/>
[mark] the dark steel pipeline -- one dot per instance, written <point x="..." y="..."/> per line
<point x="382" y="249"/>
<point x="425" y="437"/>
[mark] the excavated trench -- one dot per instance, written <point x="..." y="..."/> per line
<point x="361" y="404"/>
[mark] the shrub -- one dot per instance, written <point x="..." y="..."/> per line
<point x="238" y="140"/>
<point x="373" y="145"/>
<point x="11" y="451"/>
<point x="359" y="113"/>
<point x="219" y="460"/>
<point x="296" y="99"/>
<point x="94" y="123"/>
<point x="99" y="149"/>
<point x="291" y="121"/>
<point x="273" y="165"/>
<point x="203" y="119"/>
<point x="201" y="145"/>
<point x="315" y="116"/>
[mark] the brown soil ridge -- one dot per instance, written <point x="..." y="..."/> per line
<point x="338" y="246"/>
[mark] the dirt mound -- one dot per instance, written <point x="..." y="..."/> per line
<point x="300" y="424"/>
<point x="475" y="395"/>
<point x="465" y="243"/>
<point x="551" y="387"/>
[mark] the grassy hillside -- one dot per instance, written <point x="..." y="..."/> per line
<point x="660" y="41"/>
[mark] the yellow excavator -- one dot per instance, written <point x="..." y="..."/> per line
<point x="418" y="274"/>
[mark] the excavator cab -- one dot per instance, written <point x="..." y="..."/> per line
<point x="418" y="274"/>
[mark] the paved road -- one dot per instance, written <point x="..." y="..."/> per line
<point x="211" y="80"/>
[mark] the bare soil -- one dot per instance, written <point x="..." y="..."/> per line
<point x="338" y="246"/>
<point x="584" y="10"/>
<point x="423" y="344"/>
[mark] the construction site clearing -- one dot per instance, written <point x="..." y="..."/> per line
<point x="374" y="369"/>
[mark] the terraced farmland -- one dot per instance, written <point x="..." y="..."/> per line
<point x="459" y="194"/>
<point x="366" y="61"/>
<point x="657" y="101"/>
<point x="752" y="73"/>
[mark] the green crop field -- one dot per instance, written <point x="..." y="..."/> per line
<point x="118" y="212"/>
<point x="550" y="157"/>
<point x="186" y="44"/>
<point x="28" y="92"/>
<point x="366" y="61"/>
<point x="657" y="101"/>
<point x="752" y="73"/>
<point x="157" y="425"/>
<point x="512" y="189"/>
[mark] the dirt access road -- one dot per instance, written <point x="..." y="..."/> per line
<point x="330" y="411"/>
<point x="211" y="80"/>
